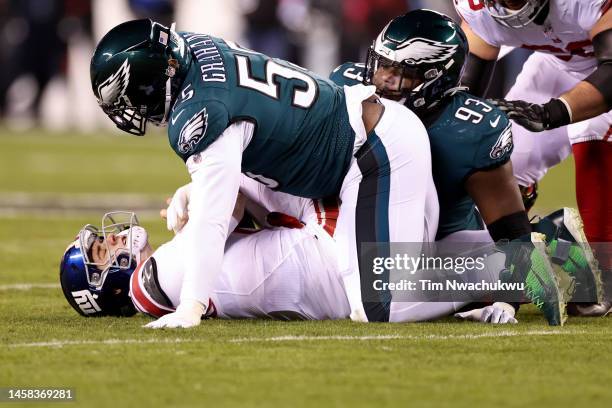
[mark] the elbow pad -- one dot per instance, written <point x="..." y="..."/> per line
<point x="478" y="74"/>
<point x="602" y="77"/>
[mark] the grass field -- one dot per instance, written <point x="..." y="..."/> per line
<point x="114" y="362"/>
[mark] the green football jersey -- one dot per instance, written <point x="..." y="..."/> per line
<point x="466" y="136"/>
<point x="303" y="141"/>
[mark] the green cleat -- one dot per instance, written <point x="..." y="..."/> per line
<point x="547" y="290"/>
<point x="570" y="251"/>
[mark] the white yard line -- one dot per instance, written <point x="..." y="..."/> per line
<point x="408" y="337"/>
<point x="64" y="343"/>
<point x="29" y="286"/>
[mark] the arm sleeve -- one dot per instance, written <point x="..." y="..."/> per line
<point x="215" y="175"/>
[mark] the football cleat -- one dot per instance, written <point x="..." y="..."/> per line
<point x="590" y="310"/>
<point x="548" y="291"/>
<point x="570" y="251"/>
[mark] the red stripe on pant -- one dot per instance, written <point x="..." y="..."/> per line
<point x="594" y="195"/>
<point x="327" y="213"/>
<point x="139" y="297"/>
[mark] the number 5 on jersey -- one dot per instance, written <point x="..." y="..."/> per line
<point x="303" y="96"/>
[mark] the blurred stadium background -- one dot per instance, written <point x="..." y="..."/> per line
<point x="47" y="109"/>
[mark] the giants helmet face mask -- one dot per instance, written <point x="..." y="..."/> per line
<point x="102" y="288"/>
<point x="498" y="9"/>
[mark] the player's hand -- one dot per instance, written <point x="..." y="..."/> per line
<point x="534" y="117"/>
<point x="177" y="213"/>
<point x="497" y="313"/>
<point x="188" y="314"/>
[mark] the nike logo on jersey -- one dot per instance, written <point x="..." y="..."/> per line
<point x="495" y="122"/>
<point x="175" y="118"/>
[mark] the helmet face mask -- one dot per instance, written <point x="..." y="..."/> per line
<point x="376" y="62"/>
<point x="510" y="17"/>
<point x="122" y="224"/>
<point x="127" y="118"/>
<point x="135" y="70"/>
<point x="428" y="48"/>
<point x="100" y="287"/>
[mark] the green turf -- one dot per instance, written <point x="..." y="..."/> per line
<point x="38" y="162"/>
<point x="430" y="364"/>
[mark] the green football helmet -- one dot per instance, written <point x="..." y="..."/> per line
<point x="426" y="46"/>
<point x="136" y="72"/>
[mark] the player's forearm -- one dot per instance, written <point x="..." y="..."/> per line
<point x="215" y="181"/>
<point x="585" y="102"/>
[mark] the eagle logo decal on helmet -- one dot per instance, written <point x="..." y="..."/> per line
<point x="424" y="51"/>
<point x="193" y="132"/>
<point x="114" y="87"/>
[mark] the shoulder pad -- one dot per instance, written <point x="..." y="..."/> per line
<point x="474" y="14"/>
<point x="488" y="130"/>
<point x="467" y="9"/>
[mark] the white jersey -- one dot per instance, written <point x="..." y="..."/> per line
<point x="278" y="273"/>
<point x="565" y="33"/>
<point x="261" y="200"/>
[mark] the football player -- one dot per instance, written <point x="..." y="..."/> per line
<point x="563" y="91"/>
<point x="418" y="59"/>
<point x="231" y="110"/>
<point x="280" y="273"/>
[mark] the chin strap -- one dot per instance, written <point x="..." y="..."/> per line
<point x="170" y="71"/>
<point x="167" y="102"/>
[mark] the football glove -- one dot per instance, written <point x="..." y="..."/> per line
<point x="177" y="213"/>
<point x="497" y="313"/>
<point x="534" y="117"/>
<point x="188" y="314"/>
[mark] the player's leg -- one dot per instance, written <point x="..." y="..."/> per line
<point x="383" y="199"/>
<point x="427" y="311"/>
<point x="592" y="146"/>
<point x="534" y="153"/>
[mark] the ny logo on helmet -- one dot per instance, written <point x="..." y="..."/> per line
<point x="418" y="51"/>
<point x="114" y="87"/>
<point x="86" y="301"/>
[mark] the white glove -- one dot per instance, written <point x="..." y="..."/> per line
<point x="188" y="314"/>
<point x="177" y="213"/>
<point x="498" y="313"/>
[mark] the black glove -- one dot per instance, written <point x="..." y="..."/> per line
<point x="534" y="117"/>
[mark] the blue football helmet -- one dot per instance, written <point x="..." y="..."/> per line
<point x="102" y="289"/>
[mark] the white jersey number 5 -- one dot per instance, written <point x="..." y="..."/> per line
<point x="303" y="96"/>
